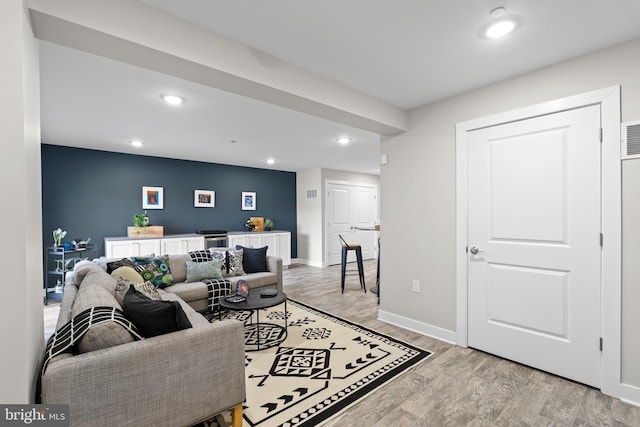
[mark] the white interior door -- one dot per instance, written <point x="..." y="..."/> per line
<point x="534" y="218"/>
<point x="349" y="207"/>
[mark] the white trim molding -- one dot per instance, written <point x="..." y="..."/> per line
<point x="611" y="279"/>
<point x="419" y="327"/>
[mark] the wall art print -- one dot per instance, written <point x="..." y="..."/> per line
<point x="248" y="201"/>
<point x="204" y="198"/>
<point x="152" y="197"/>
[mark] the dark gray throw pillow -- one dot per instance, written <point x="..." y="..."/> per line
<point x="153" y="318"/>
<point x="254" y="260"/>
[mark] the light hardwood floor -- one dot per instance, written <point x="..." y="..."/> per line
<point x="456" y="386"/>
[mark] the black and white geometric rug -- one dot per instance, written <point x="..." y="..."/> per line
<point x="323" y="366"/>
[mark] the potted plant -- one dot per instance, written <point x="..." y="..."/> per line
<point x="268" y="224"/>
<point x="140" y="220"/>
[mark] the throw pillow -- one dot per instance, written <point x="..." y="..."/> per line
<point x="114" y="265"/>
<point x="128" y="273"/>
<point x="154" y="270"/>
<point x="254" y="260"/>
<point x="146" y="288"/>
<point x="220" y="255"/>
<point x="234" y="262"/>
<point x="153" y="318"/>
<point x="197" y="271"/>
<point x="200" y="256"/>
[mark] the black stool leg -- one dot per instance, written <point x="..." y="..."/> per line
<point x="360" y="268"/>
<point x="378" y="272"/>
<point x="344" y="267"/>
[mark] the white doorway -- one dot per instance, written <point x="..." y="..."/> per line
<point x="536" y="188"/>
<point x="351" y="210"/>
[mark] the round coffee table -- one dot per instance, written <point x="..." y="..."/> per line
<point x="260" y="335"/>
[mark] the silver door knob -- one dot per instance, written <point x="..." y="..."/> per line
<point x="474" y="250"/>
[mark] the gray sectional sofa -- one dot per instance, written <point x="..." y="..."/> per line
<point x="195" y="293"/>
<point x="178" y="379"/>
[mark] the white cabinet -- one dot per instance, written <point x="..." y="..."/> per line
<point x="181" y="245"/>
<point x="278" y="243"/>
<point x="169" y="245"/>
<point x="129" y="248"/>
<point x="236" y="239"/>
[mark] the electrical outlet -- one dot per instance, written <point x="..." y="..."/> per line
<point x="415" y="287"/>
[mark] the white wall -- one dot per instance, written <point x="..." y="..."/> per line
<point x="309" y="216"/>
<point x="418" y="186"/>
<point x="21" y="324"/>
<point x="631" y="271"/>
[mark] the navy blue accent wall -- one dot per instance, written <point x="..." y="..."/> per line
<point x="95" y="194"/>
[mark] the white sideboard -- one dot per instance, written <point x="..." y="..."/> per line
<point x="123" y="247"/>
<point x="278" y="242"/>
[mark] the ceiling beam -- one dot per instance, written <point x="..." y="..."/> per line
<point x="137" y="34"/>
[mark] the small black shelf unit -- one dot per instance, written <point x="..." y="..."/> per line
<point x="58" y="262"/>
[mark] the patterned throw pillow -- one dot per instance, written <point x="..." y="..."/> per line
<point x="217" y="289"/>
<point x="220" y="255"/>
<point x="155" y="270"/>
<point x="198" y="271"/>
<point x="147" y="289"/>
<point x="200" y="256"/>
<point x="234" y="263"/>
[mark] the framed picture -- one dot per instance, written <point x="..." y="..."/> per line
<point x="152" y="198"/>
<point x="248" y="201"/>
<point x="204" y="198"/>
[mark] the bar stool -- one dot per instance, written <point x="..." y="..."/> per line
<point x="346" y="247"/>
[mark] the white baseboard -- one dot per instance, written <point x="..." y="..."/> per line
<point x="419" y="327"/>
<point x="630" y="394"/>
<point x="309" y="262"/>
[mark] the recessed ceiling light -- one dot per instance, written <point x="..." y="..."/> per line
<point x="136" y="143"/>
<point x="271" y="161"/>
<point x="500" y="25"/>
<point x="344" y="140"/>
<point x="500" y="29"/>
<point x="172" y="99"/>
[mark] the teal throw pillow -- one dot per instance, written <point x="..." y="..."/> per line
<point x="155" y="270"/>
<point x="197" y="271"/>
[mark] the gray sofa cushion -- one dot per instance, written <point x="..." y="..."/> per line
<point x="178" y="265"/>
<point x="191" y="291"/>
<point x="256" y="280"/>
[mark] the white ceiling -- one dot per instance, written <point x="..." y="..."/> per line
<point x="407" y="54"/>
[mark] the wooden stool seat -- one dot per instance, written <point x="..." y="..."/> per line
<point x="346" y="247"/>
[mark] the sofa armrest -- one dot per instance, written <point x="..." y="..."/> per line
<point x="177" y="379"/>
<point x="274" y="264"/>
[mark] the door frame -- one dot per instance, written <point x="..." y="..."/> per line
<point x="325" y="215"/>
<point x="611" y="217"/>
